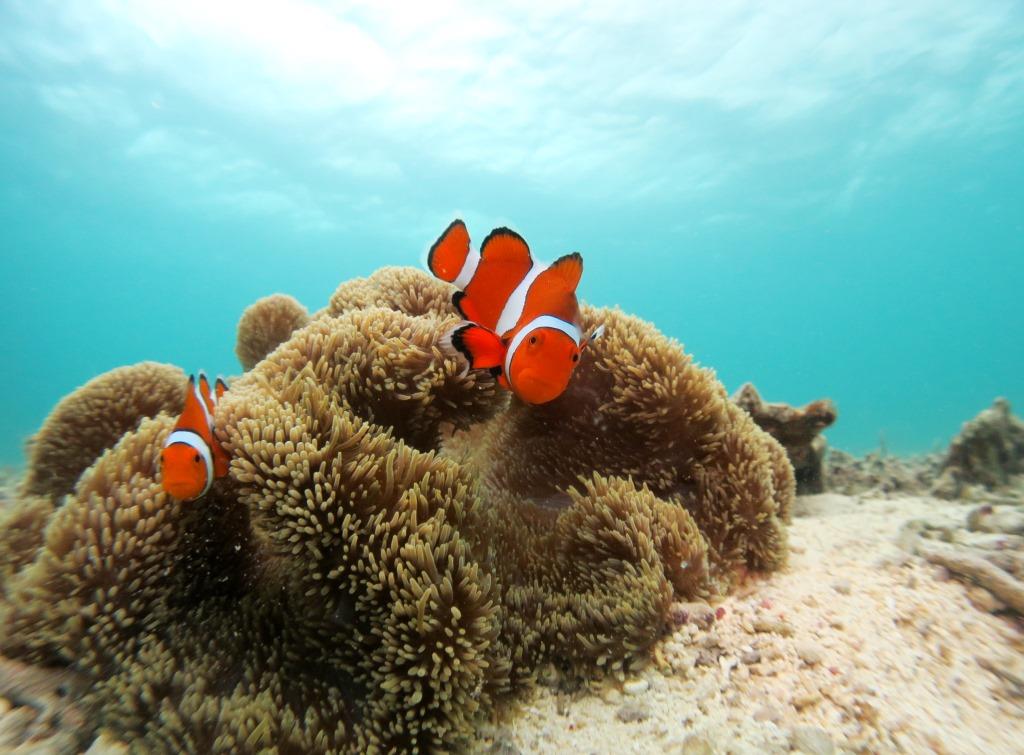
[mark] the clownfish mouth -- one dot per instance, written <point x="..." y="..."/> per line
<point x="536" y="389"/>
<point x="182" y="490"/>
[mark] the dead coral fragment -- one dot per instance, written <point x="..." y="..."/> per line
<point x="265" y="325"/>
<point x="987" y="452"/>
<point x="93" y="419"/>
<point x="988" y="551"/>
<point x="798" y="430"/>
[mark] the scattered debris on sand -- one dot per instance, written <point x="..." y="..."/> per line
<point x="986" y="550"/>
<point x="879" y="474"/>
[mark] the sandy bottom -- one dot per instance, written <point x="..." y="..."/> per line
<point x="856" y="647"/>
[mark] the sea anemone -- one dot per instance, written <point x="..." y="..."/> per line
<point x="397" y="547"/>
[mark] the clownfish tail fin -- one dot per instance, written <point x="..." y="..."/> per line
<point x="567" y="269"/>
<point x="448" y="254"/>
<point x="482" y="348"/>
<point x="220" y="386"/>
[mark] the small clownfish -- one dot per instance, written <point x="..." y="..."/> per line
<point x="523" y="321"/>
<point x="191" y="456"/>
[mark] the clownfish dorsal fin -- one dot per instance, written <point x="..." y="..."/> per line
<point x="195" y="414"/>
<point x="481" y="347"/>
<point x="567" y="271"/>
<point x="205" y="394"/>
<point x="503" y="245"/>
<point x="448" y="254"/>
<point x="220" y="387"/>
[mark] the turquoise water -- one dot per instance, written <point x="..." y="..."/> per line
<point x="828" y="201"/>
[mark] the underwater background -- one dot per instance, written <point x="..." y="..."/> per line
<point x="824" y="200"/>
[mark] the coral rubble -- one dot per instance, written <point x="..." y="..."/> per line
<point x="987" y="552"/>
<point x="798" y="430"/>
<point x="265" y="325"/>
<point x="397" y="547"/>
<point x="880" y="474"/>
<point x="987" y="452"/>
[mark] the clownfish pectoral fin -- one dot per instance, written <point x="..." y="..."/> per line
<point x="220" y="459"/>
<point x="598" y="332"/>
<point x="195" y="415"/>
<point x="481" y="347"/>
<point x="503" y="245"/>
<point x="567" y="271"/>
<point x="448" y="254"/>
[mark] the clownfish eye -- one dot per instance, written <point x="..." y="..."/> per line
<point x="575" y="357"/>
<point x="197" y="459"/>
<point x="533" y="339"/>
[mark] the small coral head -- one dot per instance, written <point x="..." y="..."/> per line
<point x="542" y="364"/>
<point x="185" y="472"/>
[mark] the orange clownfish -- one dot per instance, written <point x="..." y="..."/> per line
<point x="523" y="317"/>
<point x="192" y="457"/>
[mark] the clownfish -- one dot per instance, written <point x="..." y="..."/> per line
<point x="523" y="320"/>
<point x="192" y="457"/>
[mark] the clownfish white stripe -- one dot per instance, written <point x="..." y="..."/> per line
<point x="544" y="321"/>
<point x="194" y="440"/>
<point x="516" y="303"/>
<point x="202" y="403"/>
<point x="468" y="269"/>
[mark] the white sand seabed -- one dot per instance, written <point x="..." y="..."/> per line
<point x="855" y="647"/>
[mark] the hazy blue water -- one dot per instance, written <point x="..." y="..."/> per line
<point x="825" y="202"/>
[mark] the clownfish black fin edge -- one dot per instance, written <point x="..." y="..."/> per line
<point x="457" y="223"/>
<point x="457" y="298"/>
<point x="482" y="348"/>
<point x="517" y="249"/>
<point x="568" y="269"/>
